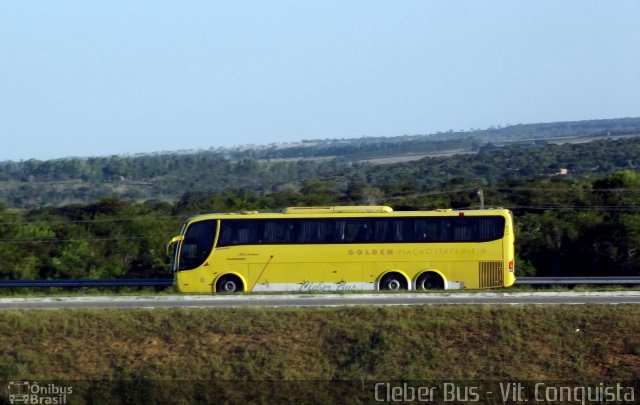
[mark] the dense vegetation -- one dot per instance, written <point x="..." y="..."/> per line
<point x="167" y="178"/>
<point x="331" y="355"/>
<point x="584" y="226"/>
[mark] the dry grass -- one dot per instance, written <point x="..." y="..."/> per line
<point x="590" y="343"/>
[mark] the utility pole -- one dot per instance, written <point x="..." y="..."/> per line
<point x="481" y="195"/>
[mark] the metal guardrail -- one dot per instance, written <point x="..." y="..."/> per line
<point x="79" y="283"/>
<point x="168" y="282"/>
<point x="576" y="280"/>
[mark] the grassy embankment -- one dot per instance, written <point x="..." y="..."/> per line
<point x="578" y="343"/>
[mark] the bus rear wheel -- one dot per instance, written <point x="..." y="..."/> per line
<point x="229" y="284"/>
<point x="430" y="281"/>
<point x="393" y="282"/>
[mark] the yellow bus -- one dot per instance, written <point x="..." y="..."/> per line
<point x="345" y="248"/>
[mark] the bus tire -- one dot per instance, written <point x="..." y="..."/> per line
<point x="393" y="282"/>
<point x="430" y="281"/>
<point x="229" y="284"/>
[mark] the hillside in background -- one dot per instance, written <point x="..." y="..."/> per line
<point x="596" y="147"/>
<point x="168" y="177"/>
<point x="374" y="147"/>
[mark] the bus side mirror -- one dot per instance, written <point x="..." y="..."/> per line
<point x="174" y="240"/>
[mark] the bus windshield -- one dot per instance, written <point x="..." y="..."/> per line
<point x="197" y="244"/>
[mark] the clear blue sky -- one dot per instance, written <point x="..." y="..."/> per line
<point x="92" y="78"/>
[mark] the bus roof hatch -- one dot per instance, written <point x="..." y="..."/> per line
<point x="338" y="209"/>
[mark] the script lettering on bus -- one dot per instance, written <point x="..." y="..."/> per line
<point x="342" y="286"/>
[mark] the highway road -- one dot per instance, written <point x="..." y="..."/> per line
<point x="320" y="300"/>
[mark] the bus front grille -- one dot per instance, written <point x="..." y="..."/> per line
<point x="491" y="274"/>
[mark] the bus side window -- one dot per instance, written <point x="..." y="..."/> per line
<point x="426" y="229"/>
<point x="403" y="230"/>
<point x="444" y="232"/>
<point x="237" y="232"/>
<point x="340" y="231"/>
<point x="420" y="230"/>
<point x="357" y="231"/>
<point x="490" y="228"/>
<point x="314" y="231"/>
<point x="244" y="233"/>
<point x="226" y="233"/>
<point x="365" y="232"/>
<point x="381" y="232"/>
<point x="397" y="231"/>
<point x="285" y="231"/>
<point x="463" y="230"/>
<point x="289" y="232"/>
<point x="268" y="234"/>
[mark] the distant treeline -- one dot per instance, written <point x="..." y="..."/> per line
<point x="371" y="147"/>
<point x="363" y="148"/>
<point x="168" y="177"/>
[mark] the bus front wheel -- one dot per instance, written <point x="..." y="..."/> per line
<point x="393" y="282"/>
<point x="430" y="281"/>
<point x="229" y="284"/>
